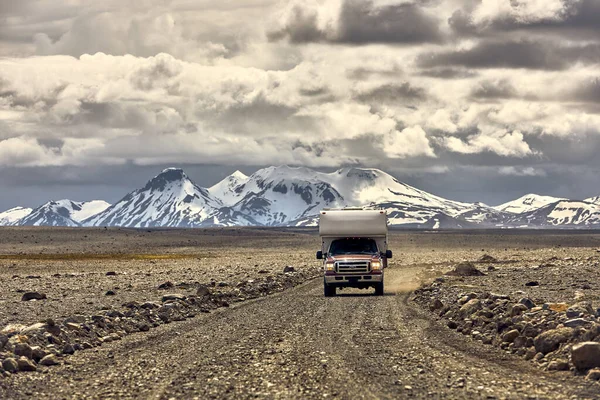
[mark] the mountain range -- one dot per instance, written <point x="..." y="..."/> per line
<point x="287" y="196"/>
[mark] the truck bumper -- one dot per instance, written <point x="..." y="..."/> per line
<point x="365" y="280"/>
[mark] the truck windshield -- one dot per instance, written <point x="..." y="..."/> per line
<point x="353" y="246"/>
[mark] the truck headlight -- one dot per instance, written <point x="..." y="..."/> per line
<point x="376" y="266"/>
<point x="329" y="266"/>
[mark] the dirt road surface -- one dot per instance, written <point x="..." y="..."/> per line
<point x="298" y="344"/>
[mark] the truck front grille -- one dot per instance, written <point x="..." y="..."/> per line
<point x="345" y="267"/>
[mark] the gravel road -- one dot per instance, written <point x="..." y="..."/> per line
<point x="298" y="344"/>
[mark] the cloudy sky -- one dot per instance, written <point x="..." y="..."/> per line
<point x="474" y="100"/>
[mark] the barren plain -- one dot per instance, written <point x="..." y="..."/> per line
<point x="240" y="313"/>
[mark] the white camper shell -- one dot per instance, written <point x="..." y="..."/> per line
<point x="353" y="222"/>
<point x="353" y="248"/>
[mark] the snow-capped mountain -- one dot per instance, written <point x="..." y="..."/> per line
<point x="287" y="196"/>
<point x="529" y="202"/>
<point x="564" y="213"/>
<point x="169" y="199"/>
<point x="14" y="215"/>
<point x="62" y="213"/>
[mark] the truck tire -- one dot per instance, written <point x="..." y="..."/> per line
<point x="328" y="290"/>
<point x="379" y="289"/>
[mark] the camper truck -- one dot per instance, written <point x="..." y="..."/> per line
<point x="353" y="249"/>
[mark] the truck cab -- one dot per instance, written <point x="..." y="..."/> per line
<point x="353" y="249"/>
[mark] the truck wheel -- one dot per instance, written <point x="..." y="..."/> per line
<point x="379" y="289"/>
<point x="328" y="290"/>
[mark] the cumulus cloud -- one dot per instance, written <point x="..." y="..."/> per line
<point x="509" y="144"/>
<point x="420" y="87"/>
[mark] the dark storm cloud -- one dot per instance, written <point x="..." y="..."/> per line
<point x="494" y="90"/>
<point x="578" y="18"/>
<point x="528" y="54"/>
<point x="588" y="92"/>
<point x="449" y="73"/>
<point x="391" y="93"/>
<point x="361" y="22"/>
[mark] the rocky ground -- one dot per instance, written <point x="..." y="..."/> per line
<point x="192" y="314"/>
<point x="542" y="305"/>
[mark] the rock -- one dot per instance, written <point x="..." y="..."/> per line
<point x="452" y="325"/>
<point x="77" y="319"/>
<point x="527" y="303"/>
<point x="34" y="328"/>
<point x="586" y="355"/>
<point x="436" y="305"/>
<point x="111" y="273"/>
<point x="593" y="375"/>
<point x="202" y="291"/>
<point x="491" y="268"/>
<point x="26" y="365"/>
<point x="517" y="309"/>
<point x="470" y="307"/>
<point x="27" y="296"/>
<point x="24" y="350"/>
<point x="3" y="341"/>
<point x="68" y="349"/>
<point x="532" y="283"/>
<point x="110" y="293"/>
<point x="149" y="305"/>
<point x="574" y="323"/>
<point x="288" y="268"/>
<point x="10" y="365"/>
<point x="556" y="307"/>
<point x="486" y="258"/>
<point x="49" y="360"/>
<point x="38" y="353"/>
<point x="580" y="309"/>
<point x="223" y="284"/>
<point x="173" y="296"/>
<point x="465" y="269"/>
<point x="551" y="340"/>
<point x="510" y="336"/>
<point x="166" y="285"/>
<point x="558" y="365"/>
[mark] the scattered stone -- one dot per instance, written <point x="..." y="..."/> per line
<point x="486" y="258"/>
<point x="68" y="349"/>
<point x="586" y="355"/>
<point x="166" y="285"/>
<point x="202" y="291"/>
<point x="465" y="269"/>
<point x="556" y="307"/>
<point x="111" y="273"/>
<point x="532" y="283"/>
<point x="110" y="293"/>
<point x="551" y="340"/>
<point x="10" y="364"/>
<point x="527" y="303"/>
<point x="3" y="341"/>
<point x="49" y="360"/>
<point x="510" y="336"/>
<point x="558" y="365"/>
<point x="288" y="268"/>
<point x="593" y="375"/>
<point x="24" y="350"/>
<point x="518" y="309"/>
<point x="436" y="304"/>
<point x="470" y="307"/>
<point x="27" y="296"/>
<point x="26" y="365"/>
<point x="574" y="323"/>
<point x="173" y="297"/>
<point x="580" y="309"/>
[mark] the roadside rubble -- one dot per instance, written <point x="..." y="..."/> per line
<point x="49" y="342"/>
<point x="501" y="308"/>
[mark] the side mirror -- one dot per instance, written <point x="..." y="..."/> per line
<point x="319" y="255"/>
<point x="388" y="254"/>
